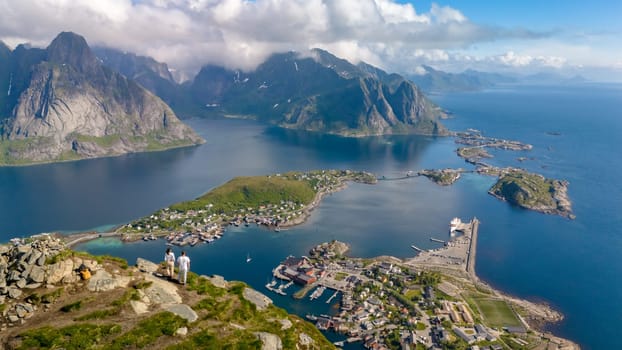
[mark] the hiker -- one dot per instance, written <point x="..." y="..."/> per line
<point x="183" y="263"/>
<point x="169" y="258"/>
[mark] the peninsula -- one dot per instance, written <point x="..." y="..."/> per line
<point x="274" y="201"/>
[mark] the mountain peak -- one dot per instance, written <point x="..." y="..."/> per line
<point x="4" y="49"/>
<point x="71" y="48"/>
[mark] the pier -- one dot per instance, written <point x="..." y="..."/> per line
<point x="416" y="248"/>
<point x="317" y="293"/>
<point x="436" y="240"/>
<point x="332" y="297"/>
<point x="470" y="264"/>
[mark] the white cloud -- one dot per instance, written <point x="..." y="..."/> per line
<point x="241" y="33"/>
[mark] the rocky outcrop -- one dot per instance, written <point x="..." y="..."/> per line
<point x="73" y="107"/>
<point x="260" y="300"/>
<point x="28" y="266"/>
<point x="270" y="341"/>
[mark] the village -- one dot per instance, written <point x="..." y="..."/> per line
<point x="206" y="222"/>
<point x="387" y="303"/>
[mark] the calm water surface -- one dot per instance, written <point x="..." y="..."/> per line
<point x="573" y="265"/>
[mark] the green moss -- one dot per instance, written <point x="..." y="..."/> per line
<point x="74" y="337"/>
<point x="72" y="307"/>
<point x="148" y="331"/>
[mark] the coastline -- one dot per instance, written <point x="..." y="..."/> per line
<point x="534" y="316"/>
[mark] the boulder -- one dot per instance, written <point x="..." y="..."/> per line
<point x="21" y="283"/>
<point x="33" y="257"/>
<point x="146" y="265"/>
<point x="285" y="324"/>
<point x="182" y="332"/>
<point x="139" y="307"/>
<point x="41" y="260"/>
<point x="183" y="311"/>
<point x="270" y="341"/>
<point x="37" y="274"/>
<point x="14" y="276"/>
<point x="217" y="281"/>
<point x="32" y="285"/>
<point x="14" y="293"/>
<point x="305" y="340"/>
<point x="103" y="281"/>
<point x="161" y="292"/>
<point x="257" y="298"/>
<point x="58" y="271"/>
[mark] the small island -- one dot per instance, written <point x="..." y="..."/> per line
<point x="443" y="177"/>
<point x="533" y="191"/>
<point x="476" y="145"/>
<point x="274" y="201"/>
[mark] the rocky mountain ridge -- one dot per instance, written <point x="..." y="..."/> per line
<point x="317" y="91"/>
<point x="63" y="104"/>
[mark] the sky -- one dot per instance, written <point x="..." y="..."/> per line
<point x="524" y="37"/>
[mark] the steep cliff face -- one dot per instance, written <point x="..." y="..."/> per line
<point x="152" y="75"/>
<point x="319" y="92"/>
<point x="70" y="107"/>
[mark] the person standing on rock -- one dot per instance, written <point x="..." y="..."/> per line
<point x="169" y="258"/>
<point x="183" y="263"/>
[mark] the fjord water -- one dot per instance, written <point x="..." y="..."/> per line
<point x="572" y="264"/>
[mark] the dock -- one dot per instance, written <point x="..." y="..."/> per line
<point x="332" y="297"/>
<point x="436" y="240"/>
<point x="317" y="293"/>
<point x="279" y="290"/>
<point x="416" y="248"/>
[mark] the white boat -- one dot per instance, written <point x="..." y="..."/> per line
<point x="453" y="225"/>
<point x="248" y="258"/>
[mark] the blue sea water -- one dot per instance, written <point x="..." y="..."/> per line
<point x="573" y="265"/>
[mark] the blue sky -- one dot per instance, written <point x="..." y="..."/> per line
<point x="519" y="37"/>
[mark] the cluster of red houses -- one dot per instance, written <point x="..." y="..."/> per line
<point x="300" y="270"/>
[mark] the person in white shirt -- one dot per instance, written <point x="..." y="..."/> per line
<point x="183" y="263"/>
<point x="169" y="258"/>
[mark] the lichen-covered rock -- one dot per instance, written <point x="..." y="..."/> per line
<point x="257" y="298"/>
<point x="183" y="311"/>
<point x="270" y="341"/>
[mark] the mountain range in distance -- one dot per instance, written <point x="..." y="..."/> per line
<point x="431" y="80"/>
<point x="61" y="103"/>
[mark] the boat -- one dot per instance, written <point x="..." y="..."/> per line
<point x="248" y="258"/>
<point x="453" y="226"/>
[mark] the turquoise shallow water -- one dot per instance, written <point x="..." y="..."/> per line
<point x="573" y="265"/>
